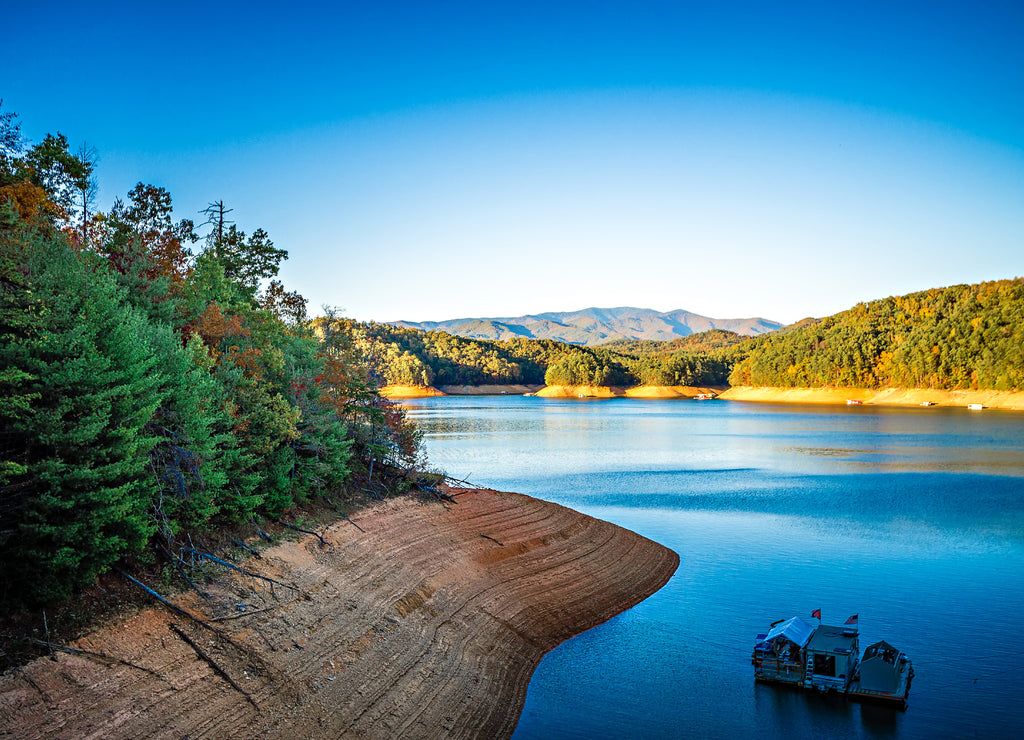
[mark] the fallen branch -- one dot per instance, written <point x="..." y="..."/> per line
<point x="460" y="483"/>
<point x="103" y="656"/>
<point x="437" y="494"/>
<point x="243" y="571"/>
<point x="173" y="607"/>
<point x="178" y="610"/>
<point x="345" y="517"/>
<point x="181" y="572"/>
<point x="244" y="614"/>
<point x="46" y="630"/>
<point x="18" y="670"/>
<point x="213" y="664"/>
<point x="246" y="547"/>
<point x="323" y="542"/>
<point x="249" y="656"/>
<point x="261" y="533"/>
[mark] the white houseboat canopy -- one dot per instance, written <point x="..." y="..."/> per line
<point x="794" y="629"/>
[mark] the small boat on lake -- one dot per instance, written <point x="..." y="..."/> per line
<point x="975" y="406"/>
<point x="854" y="402"/>
<point x="826" y="658"/>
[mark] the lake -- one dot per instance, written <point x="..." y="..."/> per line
<point x="911" y="518"/>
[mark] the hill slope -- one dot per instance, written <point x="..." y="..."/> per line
<point x="594" y="326"/>
<point x="960" y="337"/>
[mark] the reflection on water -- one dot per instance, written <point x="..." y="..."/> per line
<point x="912" y="518"/>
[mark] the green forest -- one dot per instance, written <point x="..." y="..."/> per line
<point x="158" y="381"/>
<point x="403" y="356"/>
<point x="961" y="337"/>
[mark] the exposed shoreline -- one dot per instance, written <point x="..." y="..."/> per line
<point x="549" y="391"/>
<point x="488" y="390"/>
<point x="1010" y="400"/>
<point x="429" y="623"/>
<point x="992" y="399"/>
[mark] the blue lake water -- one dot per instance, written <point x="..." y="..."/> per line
<point x="912" y="518"/>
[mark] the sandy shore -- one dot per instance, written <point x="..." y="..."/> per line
<point x="671" y="391"/>
<point x="640" y="391"/>
<point x="1013" y="400"/>
<point x="581" y="391"/>
<point x="428" y="623"/>
<point x="410" y="391"/>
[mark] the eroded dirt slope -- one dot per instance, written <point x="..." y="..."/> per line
<point x="427" y="624"/>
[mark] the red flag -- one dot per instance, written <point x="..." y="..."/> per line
<point x="852" y="620"/>
<point x="816" y="614"/>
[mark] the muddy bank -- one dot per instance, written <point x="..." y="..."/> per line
<point x="426" y="620"/>
<point x="1013" y="400"/>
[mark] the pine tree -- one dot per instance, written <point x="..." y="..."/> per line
<point x="83" y="499"/>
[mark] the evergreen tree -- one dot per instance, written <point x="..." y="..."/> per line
<point x="83" y="498"/>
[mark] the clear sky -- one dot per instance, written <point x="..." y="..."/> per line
<point x="437" y="160"/>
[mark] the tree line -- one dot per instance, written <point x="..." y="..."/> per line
<point x="405" y="356"/>
<point x="157" y="380"/>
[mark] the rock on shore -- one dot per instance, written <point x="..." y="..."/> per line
<point x="429" y="623"/>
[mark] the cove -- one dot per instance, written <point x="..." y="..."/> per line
<point x="912" y="518"/>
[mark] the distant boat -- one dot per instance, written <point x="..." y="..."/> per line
<point x="975" y="406"/>
<point x="706" y="396"/>
<point x="927" y="403"/>
<point x="854" y="402"/>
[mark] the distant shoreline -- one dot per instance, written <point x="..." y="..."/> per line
<point x="1009" y="400"/>
<point x="993" y="399"/>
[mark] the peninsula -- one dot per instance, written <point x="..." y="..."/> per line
<point x="412" y="620"/>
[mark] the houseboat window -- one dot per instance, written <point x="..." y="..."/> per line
<point x="825" y="665"/>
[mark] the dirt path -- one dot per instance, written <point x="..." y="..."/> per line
<point x="428" y="624"/>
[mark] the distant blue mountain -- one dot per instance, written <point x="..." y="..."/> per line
<point x="593" y="326"/>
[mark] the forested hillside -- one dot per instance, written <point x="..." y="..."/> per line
<point x="961" y="337"/>
<point x="405" y="356"/>
<point x="157" y="380"/>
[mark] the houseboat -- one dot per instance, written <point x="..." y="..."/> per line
<point x="706" y="396"/>
<point x="854" y="402"/>
<point x="779" y="655"/>
<point x="826" y="658"/>
<point x="884" y="676"/>
<point x="831" y="658"/>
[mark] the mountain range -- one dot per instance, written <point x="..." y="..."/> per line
<point x="594" y="326"/>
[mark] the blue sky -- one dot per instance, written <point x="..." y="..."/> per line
<point x="426" y="161"/>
